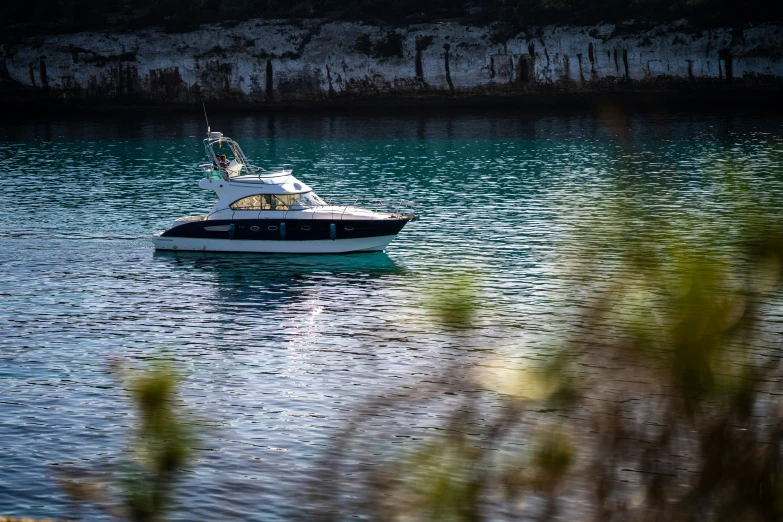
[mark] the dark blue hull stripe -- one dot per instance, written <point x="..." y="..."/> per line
<point x="287" y="230"/>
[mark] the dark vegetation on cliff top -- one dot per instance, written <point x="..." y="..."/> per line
<point x="63" y="16"/>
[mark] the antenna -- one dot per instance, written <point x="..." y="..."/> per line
<point x="205" y="116"/>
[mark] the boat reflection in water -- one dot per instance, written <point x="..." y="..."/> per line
<point x="246" y="265"/>
<point x="243" y="285"/>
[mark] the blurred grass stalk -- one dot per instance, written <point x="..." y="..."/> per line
<point x="141" y="487"/>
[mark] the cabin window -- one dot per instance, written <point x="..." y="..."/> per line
<point x="276" y="201"/>
<point x="257" y="202"/>
<point x="287" y="200"/>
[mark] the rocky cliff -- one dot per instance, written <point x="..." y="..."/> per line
<point x="262" y="62"/>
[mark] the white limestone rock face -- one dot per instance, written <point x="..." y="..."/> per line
<point x="261" y="61"/>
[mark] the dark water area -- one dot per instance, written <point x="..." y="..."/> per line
<point x="278" y="352"/>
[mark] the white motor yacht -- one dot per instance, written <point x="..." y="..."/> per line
<point x="272" y="211"/>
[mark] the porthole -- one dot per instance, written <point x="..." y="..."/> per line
<point x="255" y="228"/>
<point x="271" y="227"/>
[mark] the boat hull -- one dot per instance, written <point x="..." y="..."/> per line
<point x="318" y="246"/>
<point x="296" y="236"/>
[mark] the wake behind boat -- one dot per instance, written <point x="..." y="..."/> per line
<point x="272" y="211"/>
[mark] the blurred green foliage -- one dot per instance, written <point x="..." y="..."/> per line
<point x="161" y="445"/>
<point x="141" y="487"/>
<point x="454" y="303"/>
<point x="660" y="402"/>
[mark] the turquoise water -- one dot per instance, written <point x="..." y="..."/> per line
<point x="278" y="352"/>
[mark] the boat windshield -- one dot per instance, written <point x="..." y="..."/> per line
<point x="309" y="199"/>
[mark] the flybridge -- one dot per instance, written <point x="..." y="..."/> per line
<point x="238" y="165"/>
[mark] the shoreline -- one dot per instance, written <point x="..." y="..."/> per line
<point x="35" y="104"/>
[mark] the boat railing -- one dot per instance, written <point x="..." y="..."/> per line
<point x="385" y="207"/>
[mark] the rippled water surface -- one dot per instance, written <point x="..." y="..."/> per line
<point x="278" y="352"/>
